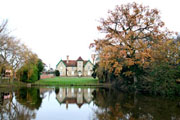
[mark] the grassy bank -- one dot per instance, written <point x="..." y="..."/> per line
<point x="9" y="84"/>
<point x="75" y="81"/>
<point x="58" y="81"/>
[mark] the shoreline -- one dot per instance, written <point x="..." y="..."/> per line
<point x="63" y="85"/>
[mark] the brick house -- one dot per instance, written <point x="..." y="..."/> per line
<point x="77" y="67"/>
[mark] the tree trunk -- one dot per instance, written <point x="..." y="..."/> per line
<point x="1" y="76"/>
<point x="14" y="75"/>
<point x="135" y="80"/>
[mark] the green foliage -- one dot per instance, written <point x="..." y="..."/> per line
<point x="136" y="69"/>
<point x="57" y="90"/>
<point x="94" y="74"/>
<point x="34" y="76"/>
<point x="28" y="73"/>
<point x="32" y="95"/>
<point x="164" y="79"/>
<point x="40" y="67"/>
<point x="159" y="79"/>
<point x="57" y="73"/>
<point x="2" y="71"/>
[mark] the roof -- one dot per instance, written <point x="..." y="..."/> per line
<point x="80" y="59"/>
<point x="73" y="63"/>
<point x="85" y="62"/>
<point x="72" y="100"/>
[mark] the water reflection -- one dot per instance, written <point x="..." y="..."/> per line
<point x="29" y="97"/>
<point x="84" y="103"/>
<point x="44" y="90"/>
<point x="115" y="105"/>
<point x="10" y="109"/>
<point x="78" y="96"/>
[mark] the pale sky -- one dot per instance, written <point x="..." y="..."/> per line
<point x="56" y="28"/>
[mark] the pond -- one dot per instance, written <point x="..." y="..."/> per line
<point x="73" y="103"/>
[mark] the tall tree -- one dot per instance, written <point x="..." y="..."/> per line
<point x="29" y="71"/>
<point x="12" y="52"/>
<point x="134" y="37"/>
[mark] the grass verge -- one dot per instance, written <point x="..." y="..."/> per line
<point x="59" y="81"/>
<point x="69" y="81"/>
<point x="9" y="84"/>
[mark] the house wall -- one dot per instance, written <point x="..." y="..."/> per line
<point x="71" y="71"/>
<point x="88" y="94"/>
<point x="88" y="69"/>
<point x="62" y="69"/>
<point x="61" y="95"/>
<point x="81" y="95"/>
<point x="80" y="66"/>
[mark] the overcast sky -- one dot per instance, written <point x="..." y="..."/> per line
<point x="56" y="28"/>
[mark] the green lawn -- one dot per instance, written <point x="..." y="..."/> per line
<point x="68" y="81"/>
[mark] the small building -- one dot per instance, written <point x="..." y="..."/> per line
<point x="8" y="73"/>
<point x="77" y="67"/>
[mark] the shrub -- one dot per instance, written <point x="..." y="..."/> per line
<point x="40" y="66"/>
<point x="28" y="73"/>
<point x="57" y="73"/>
<point x="164" y="79"/>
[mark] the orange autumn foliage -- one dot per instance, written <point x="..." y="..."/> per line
<point x="134" y="35"/>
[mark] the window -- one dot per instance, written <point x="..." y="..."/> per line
<point x="79" y="90"/>
<point x="88" y="90"/>
<point x="72" y="90"/>
<point x="61" y="68"/>
<point x="88" y="67"/>
<point x="61" y="90"/>
<point x="89" y="73"/>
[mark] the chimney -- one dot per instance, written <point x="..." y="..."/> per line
<point x="67" y="59"/>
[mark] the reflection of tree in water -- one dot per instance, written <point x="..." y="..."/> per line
<point x="115" y="105"/>
<point x="56" y="90"/>
<point x="12" y="110"/>
<point x="29" y="97"/>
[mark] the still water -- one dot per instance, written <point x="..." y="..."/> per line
<point x="73" y="103"/>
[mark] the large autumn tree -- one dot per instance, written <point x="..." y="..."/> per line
<point x="134" y="37"/>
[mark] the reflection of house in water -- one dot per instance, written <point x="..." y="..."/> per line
<point x="44" y="90"/>
<point x="4" y="97"/>
<point x="77" y="96"/>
